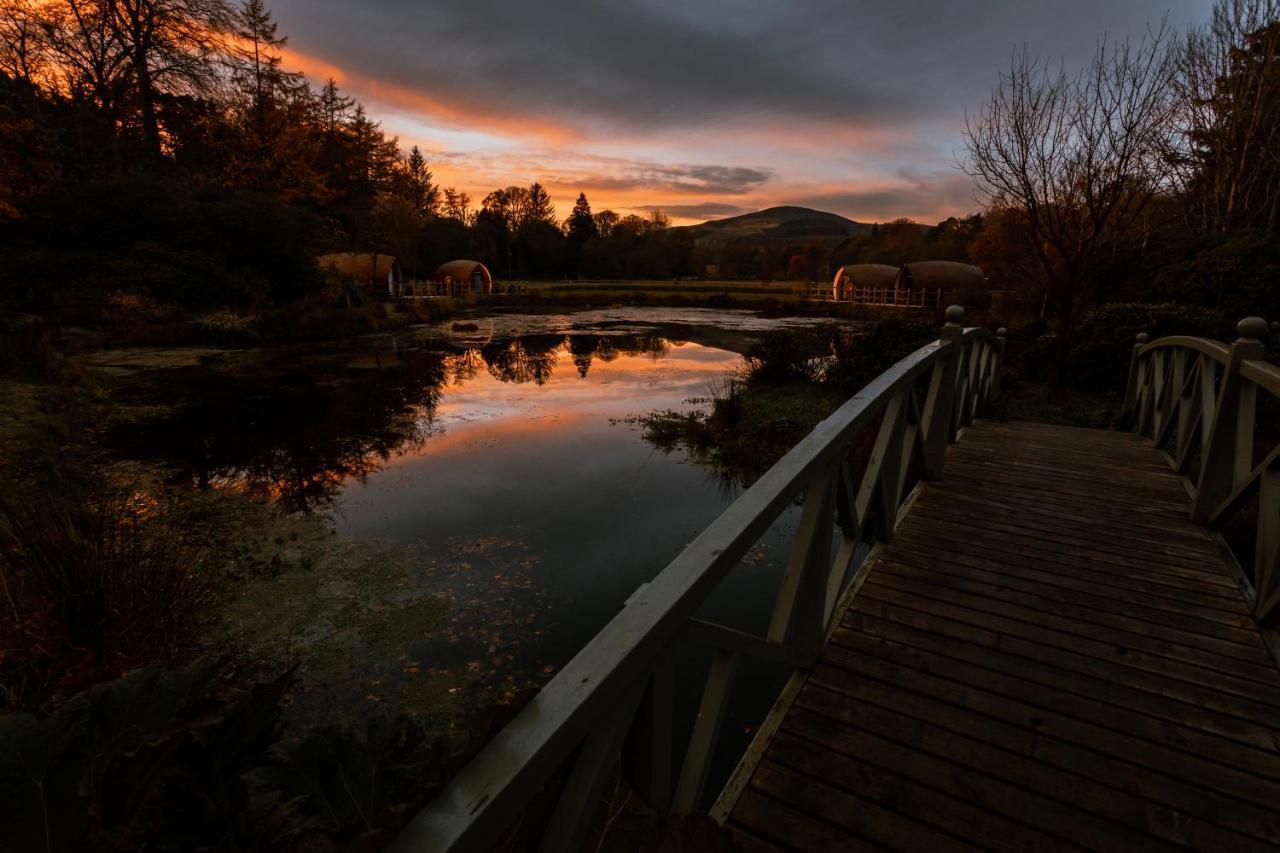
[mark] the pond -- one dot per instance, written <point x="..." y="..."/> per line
<point x="484" y="505"/>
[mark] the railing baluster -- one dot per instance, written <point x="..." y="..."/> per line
<point x="889" y="477"/>
<point x="1222" y="464"/>
<point x="1266" y="561"/>
<point x="650" y="747"/>
<point x="581" y="794"/>
<point x="706" y="730"/>
<point x="941" y="398"/>
<point x="803" y="588"/>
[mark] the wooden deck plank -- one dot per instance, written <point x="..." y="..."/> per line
<point x="1049" y="655"/>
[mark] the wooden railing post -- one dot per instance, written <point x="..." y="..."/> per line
<point x="942" y="390"/>
<point x="997" y="369"/>
<point x="1229" y="451"/>
<point x="1129" y="409"/>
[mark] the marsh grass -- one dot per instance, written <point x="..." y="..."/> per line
<point x="97" y="577"/>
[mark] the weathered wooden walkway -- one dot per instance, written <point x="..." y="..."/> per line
<point x="1048" y="655"/>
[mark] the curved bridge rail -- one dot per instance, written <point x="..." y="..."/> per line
<point x="619" y="688"/>
<point x="1198" y="400"/>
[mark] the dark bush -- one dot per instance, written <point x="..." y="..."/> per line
<point x="204" y="248"/>
<point x="118" y="571"/>
<point x="1099" y="360"/>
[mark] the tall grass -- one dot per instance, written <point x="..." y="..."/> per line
<point x="110" y="571"/>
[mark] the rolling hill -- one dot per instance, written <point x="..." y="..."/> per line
<point x="777" y="224"/>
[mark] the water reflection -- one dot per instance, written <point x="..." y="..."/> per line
<point x="297" y="427"/>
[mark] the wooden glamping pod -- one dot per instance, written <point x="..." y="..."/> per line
<point x="940" y="275"/>
<point x="461" y="277"/>
<point x="377" y="273"/>
<point x="860" y="277"/>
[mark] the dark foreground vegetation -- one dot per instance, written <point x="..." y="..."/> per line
<point x="164" y="179"/>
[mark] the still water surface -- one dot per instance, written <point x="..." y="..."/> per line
<point x="496" y="465"/>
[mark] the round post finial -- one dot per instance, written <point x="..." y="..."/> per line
<point x="1251" y="329"/>
<point x="1142" y="337"/>
<point x="955" y="314"/>
<point x="1002" y="332"/>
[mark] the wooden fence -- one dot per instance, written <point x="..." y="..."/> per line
<point x="1198" y="400"/>
<point x="619" y="689"/>
<point x="892" y="297"/>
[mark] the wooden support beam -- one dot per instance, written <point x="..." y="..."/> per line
<point x="940" y="402"/>
<point x="1229" y="454"/>
<point x="706" y="731"/>
<point x="581" y="794"/>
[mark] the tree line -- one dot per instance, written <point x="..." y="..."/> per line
<point x="1152" y="174"/>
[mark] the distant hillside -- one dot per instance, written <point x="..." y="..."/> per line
<point x="777" y="224"/>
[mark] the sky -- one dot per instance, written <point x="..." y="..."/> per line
<point x="702" y="108"/>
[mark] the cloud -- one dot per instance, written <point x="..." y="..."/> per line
<point x="926" y="197"/>
<point x="640" y="66"/>
<point x="696" y="179"/>
<point x="671" y="103"/>
<point x="700" y="212"/>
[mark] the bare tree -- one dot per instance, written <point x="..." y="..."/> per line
<point x="170" y="46"/>
<point x="1080" y="154"/>
<point x="23" y="48"/>
<point x="90" y="62"/>
<point x="1227" y="158"/>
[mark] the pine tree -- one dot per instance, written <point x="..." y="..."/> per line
<point x="258" y="61"/>
<point x="539" y="207"/>
<point x="422" y="193"/>
<point x="581" y="226"/>
<point x="334" y="108"/>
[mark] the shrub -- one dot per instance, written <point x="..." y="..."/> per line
<point x="28" y="350"/>
<point x="788" y="355"/>
<point x="119" y="570"/>
<point x="1099" y="360"/>
<point x="194" y="758"/>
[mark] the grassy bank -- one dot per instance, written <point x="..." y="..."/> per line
<point x="787" y="383"/>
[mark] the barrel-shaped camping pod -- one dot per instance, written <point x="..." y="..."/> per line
<point x="377" y="273"/>
<point x="860" y="277"/>
<point x="459" y="277"/>
<point x="947" y="276"/>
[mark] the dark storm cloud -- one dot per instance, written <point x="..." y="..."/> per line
<point x="911" y="193"/>
<point x="715" y="180"/>
<point x="636" y="65"/>
<point x="707" y="210"/>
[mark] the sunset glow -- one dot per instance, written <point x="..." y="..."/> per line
<point x="858" y="111"/>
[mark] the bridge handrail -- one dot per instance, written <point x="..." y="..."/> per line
<point x="1219" y="352"/>
<point x="1197" y="400"/>
<point x="621" y="683"/>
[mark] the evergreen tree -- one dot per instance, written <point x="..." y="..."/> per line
<point x="421" y="193"/>
<point x="334" y="108"/>
<point x="581" y="226"/>
<point x="257" y="67"/>
<point x="539" y="207"/>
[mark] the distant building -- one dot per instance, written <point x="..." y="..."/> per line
<point x="377" y="273"/>
<point x="459" y="277"/>
<point x="859" y="277"/>
<point x="941" y="275"/>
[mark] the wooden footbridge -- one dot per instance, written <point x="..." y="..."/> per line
<point x="1037" y="638"/>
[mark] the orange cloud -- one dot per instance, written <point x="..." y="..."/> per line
<point x="452" y="114"/>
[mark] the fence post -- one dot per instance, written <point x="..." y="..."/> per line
<point x="1002" y="343"/>
<point x="1131" y="387"/>
<point x="1228" y="456"/>
<point x="942" y="390"/>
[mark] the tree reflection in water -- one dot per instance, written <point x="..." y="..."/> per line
<point x="297" y="431"/>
